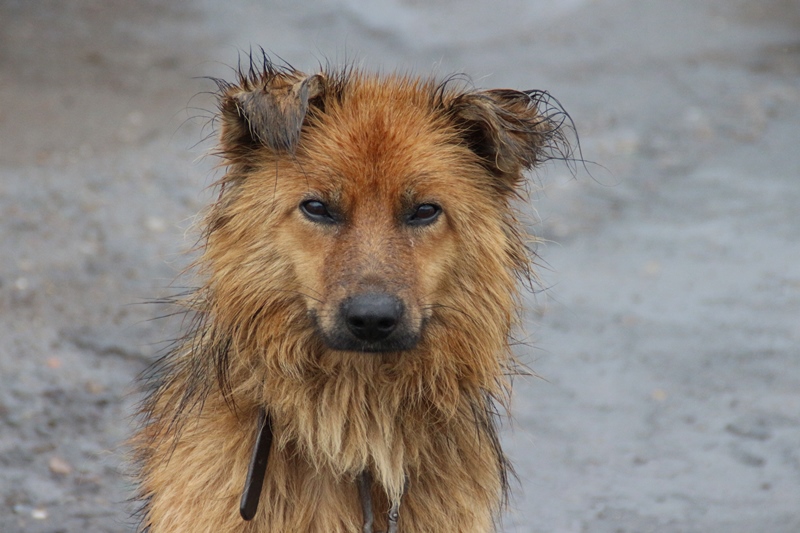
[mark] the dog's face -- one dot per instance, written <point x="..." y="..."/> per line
<point x="369" y="220"/>
<point x="369" y="198"/>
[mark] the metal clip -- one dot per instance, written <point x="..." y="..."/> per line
<point x="364" y="482"/>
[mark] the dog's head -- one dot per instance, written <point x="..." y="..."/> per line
<point x="371" y="211"/>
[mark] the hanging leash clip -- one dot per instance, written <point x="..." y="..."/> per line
<point x="364" y="482"/>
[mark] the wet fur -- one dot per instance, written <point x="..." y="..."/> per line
<point x="270" y="282"/>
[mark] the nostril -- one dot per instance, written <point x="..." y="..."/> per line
<point x="372" y="317"/>
<point x="356" y="321"/>
<point x="386" y="323"/>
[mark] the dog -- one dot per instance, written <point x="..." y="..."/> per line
<point x="348" y="351"/>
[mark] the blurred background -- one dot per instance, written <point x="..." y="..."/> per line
<point x="666" y="339"/>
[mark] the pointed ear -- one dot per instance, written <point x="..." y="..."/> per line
<point x="268" y="111"/>
<point x="509" y="130"/>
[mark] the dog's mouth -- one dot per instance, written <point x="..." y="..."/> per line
<point x="346" y="344"/>
<point x="370" y="323"/>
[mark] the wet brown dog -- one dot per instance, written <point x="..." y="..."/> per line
<point x="359" y="284"/>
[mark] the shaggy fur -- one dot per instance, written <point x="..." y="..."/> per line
<point x="420" y="419"/>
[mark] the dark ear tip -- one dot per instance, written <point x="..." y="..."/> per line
<point x="269" y="111"/>
<point x="315" y="85"/>
<point x="510" y="130"/>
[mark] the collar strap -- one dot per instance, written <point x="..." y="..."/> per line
<point x="257" y="469"/>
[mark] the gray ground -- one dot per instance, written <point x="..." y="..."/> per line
<point x="668" y="335"/>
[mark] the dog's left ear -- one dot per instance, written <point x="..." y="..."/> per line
<point x="506" y="129"/>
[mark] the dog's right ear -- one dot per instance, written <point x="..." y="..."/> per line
<point x="268" y="111"/>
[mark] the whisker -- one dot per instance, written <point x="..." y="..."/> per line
<point x="450" y="308"/>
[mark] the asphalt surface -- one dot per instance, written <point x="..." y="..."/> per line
<point x="666" y="338"/>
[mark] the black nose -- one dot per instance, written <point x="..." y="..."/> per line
<point x="372" y="317"/>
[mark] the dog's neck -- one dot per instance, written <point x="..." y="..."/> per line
<point x="257" y="470"/>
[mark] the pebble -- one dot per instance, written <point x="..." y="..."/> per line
<point x="659" y="395"/>
<point x="59" y="466"/>
<point x="652" y="269"/>
<point x="21" y="509"/>
<point x="93" y="387"/>
<point x="747" y="458"/>
<point x="155" y="224"/>
<point x="749" y="429"/>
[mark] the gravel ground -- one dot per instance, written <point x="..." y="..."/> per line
<point x="667" y="337"/>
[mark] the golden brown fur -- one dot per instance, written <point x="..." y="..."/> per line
<point x="273" y="283"/>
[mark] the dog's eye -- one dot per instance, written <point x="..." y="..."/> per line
<point x="317" y="211"/>
<point x="424" y="214"/>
